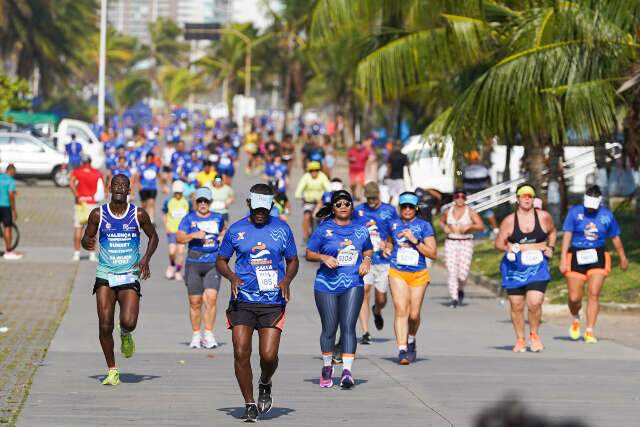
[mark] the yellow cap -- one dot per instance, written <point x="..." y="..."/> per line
<point x="527" y="189"/>
<point x="314" y="166"/>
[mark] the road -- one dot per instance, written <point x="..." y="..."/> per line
<point x="464" y="365"/>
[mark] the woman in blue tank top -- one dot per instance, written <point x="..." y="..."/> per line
<point x="527" y="237"/>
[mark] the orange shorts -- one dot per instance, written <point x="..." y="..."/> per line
<point x="412" y="279"/>
<point x="602" y="266"/>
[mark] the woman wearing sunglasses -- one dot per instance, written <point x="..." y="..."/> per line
<point x="458" y="222"/>
<point x="527" y="237"/>
<point x="413" y="242"/>
<point x="344" y="249"/>
<point x="202" y="230"/>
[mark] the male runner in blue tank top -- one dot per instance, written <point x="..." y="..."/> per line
<point x="259" y="291"/>
<point x="120" y="267"/>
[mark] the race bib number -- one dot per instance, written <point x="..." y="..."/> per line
<point x="149" y="174"/>
<point x="267" y="280"/>
<point x="179" y="213"/>
<point x="587" y="256"/>
<point x="225" y="161"/>
<point x="347" y="258"/>
<point x="209" y="227"/>
<point x="532" y="257"/>
<point x="121" y="279"/>
<point x="218" y="205"/>
<point x="408" y="256"/>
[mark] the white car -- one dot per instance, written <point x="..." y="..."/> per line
<point x="32" y="158"/>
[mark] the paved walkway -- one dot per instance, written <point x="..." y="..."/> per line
<point x="464" y="365"/>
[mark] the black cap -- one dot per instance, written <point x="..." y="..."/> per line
<point x="341" y="194"/>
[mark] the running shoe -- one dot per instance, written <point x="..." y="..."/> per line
<point x="326" y="378"/>
<point x="403" y="357"/>
<point x="366" y="338"/>
<point x="521" y="346"/>
<point x="127" y="345"/>
<point x="170" y="272"/>
<point x="265" y="400"/>
<point x="535" y="342"/>
<point x="411" y="352"/>
<point x="589" y="338"/>
<point x="93" y="257"/>
<point x="460" y="295"/>
<point x="454" y="303"/>
<point x="209" y="340"/>
<point x="178" y="276"/>
<point x="12" y="255"/>
<point x="574" y="330"/>
<point x="377" y="318"/>
<point x="196" y="341"/>
<point x="112" y="378"/>
<point x="250" y="413"/>
<point x="346" y="381"/>
<point x="76" y="256"/>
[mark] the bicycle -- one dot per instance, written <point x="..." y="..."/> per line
<point x="15" y="236"/>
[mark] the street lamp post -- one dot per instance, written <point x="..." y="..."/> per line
<point x="102" y="61"/>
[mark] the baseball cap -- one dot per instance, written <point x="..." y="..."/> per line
<point x="371" y="190"/>
<point x="203" y="193"/>
<point x="177" y="187"/>
<point x="341" y="194"/>
<point x="526" y="189"/>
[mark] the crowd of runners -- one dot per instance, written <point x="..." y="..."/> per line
<point x="376" y="238"/>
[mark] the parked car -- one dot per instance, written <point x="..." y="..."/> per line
<point x="32" y="158"/>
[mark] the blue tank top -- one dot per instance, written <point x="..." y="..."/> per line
<point x="119" y="239"/>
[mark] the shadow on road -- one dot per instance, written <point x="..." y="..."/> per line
<point x="129" y="378"/>
<point x="238" y="412"/>
<point x="336" y="380"/>
<point x="394" y="360"/>
<point x="185" y="343"/>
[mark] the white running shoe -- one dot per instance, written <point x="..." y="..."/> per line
<point x="76" y="256"/>
<point x="209" y="340"/>
<point x="196" y="341"/>
<point x="170" y="272"/>
<point x="178" y="276"/>
<point x="93" y="257"/>
<point x="12" y="255"/>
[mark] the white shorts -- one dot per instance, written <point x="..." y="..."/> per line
<point x="378" y="276"/>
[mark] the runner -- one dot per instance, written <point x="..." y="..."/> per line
<point x="357" y="157"/>
<point x="343" y="248"/>
<point x="87" y="187"/>
<point x="174" y="209"/>
<point x="120" y="268"/>
<point x="276" y="173"/>
<point x="260" y="290"/>
<point x="585" y="259"/>
<point x="527" y="237"/>
<point x="225" y="164"/>
<point x="413" y="242"/>
<point x="396" y="163"/>
<point x="377" y="217"/>
<point x="288" y="151"/>
<point x="206" y="175"/>
<point x="201" y="229"/>
<point x="310" y="189"/>
<point x="458" y="222"/>
<point x="223" y="197"/>
<point x="148" y="176"/>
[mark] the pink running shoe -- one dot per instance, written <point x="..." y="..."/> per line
<point x="326" y="378"/>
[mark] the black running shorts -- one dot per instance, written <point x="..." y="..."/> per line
<point x="102" y="282"/>
<point x="256" y="316"/>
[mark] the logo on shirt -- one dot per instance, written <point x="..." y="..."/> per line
<point x="259" y="251"/>
<point x="240" y="235"/>
<point x="591" y="231"/>
<point x="328" y="233"/>
<point x="107" y="226"/>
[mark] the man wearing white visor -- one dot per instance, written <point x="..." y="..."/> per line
<point x="585" y="259"/>
<point x="266" y="263"/>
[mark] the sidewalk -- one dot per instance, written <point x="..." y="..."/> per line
<point x="464" y="365"/>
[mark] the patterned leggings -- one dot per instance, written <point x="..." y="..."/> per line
<point x="458" y="255"/>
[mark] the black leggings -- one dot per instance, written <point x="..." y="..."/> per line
<point x="342" y="309"/>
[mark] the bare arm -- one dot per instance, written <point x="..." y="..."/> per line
<point x="182" y="237"/>
<point x="150" y="231"/>
<point x="501" y="243"/>
<point x="552" y="235"/>
<point x="428" y="247"/>
<point x="443" y="221"/>
<point x="476" y="223"/>
<point x="566" y="243"/>
<point x="73" y="186"/>
<point x="328" y="260"/>
<point x="222" y="265"/>
<point x="617" y="243"/>
<point x="89" y="238"/>
<point x="12" y="202"/>
<point x="292" y="270"/>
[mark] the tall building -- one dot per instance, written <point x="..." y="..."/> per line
<point x="132" y="17"/>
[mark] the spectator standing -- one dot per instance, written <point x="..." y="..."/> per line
<point x="357" y="155"/>
<point x="73" y="151"/>
<point x="396" y="163"/>
<point x="475" y="178"/>
<point x="8" y="210"/>
<point x="371" y="168"/>
<point x="87" y="186"/>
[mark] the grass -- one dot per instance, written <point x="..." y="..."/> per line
<point x="620" y="287"/>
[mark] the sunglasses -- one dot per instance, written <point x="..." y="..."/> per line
<point x="526" y="196"/>
<point x="459" y="196"/>
<point x="346" y="204"/>
<point x="407" y="206"/>
<point x="199" y="201"/>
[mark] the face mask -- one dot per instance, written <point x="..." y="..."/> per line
<point x="592" y="202"/>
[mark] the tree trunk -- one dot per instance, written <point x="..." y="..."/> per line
<point x="631" y="133"/>
<point x="506" y="174"/>
<point x="287" y="83"/>
<point x="534" y="162"/>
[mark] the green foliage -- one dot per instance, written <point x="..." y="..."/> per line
<point x="13" y="94"/>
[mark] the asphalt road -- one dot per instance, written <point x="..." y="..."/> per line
<point x="464" y="365"/>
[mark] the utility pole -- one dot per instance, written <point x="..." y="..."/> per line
<point x="102" y="61"/>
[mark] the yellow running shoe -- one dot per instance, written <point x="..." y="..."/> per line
<point x="128" y="346"/>
<point x="113" y="377"/>
<point x="589" y="338"/>
<point x="520" y="347"/>
<point x="574" y="330"/>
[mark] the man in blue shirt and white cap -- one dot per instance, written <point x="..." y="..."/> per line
<point x="266" y="263"/>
